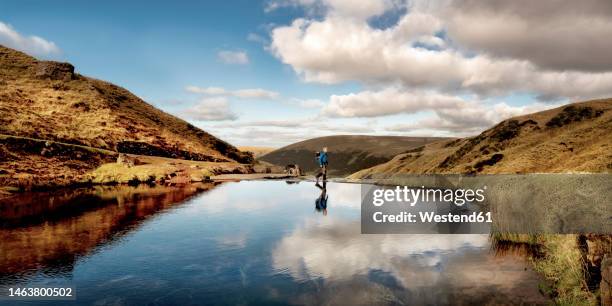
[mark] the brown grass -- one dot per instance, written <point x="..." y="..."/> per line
<point x="562" y="264"/>
<point x="31" y="164"/>
<point x="574" y="138"/>
<point x="75" y="109"/>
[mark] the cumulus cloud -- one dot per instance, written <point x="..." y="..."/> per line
<point x="469" y="117"/>
<point x="558" y="35"/>
<point x="262" y="136"/>
<point x="307" y="103"/>
<point x="233" y="57"/>
<point x="453" y="114"/>
<point x="307" y="124"/>
<point x="33" y="45"/>
<point x="388" y="102"/>
<point x="249" y="93"/>
<point x="211" y="109"/>
<point x="206" y="90"/>
<point x="337" y="48"/>
<point x="255" y="93"/>
<point x="281" y="132"/>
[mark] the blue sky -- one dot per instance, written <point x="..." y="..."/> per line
<point x="155" y="49"/>
<point x="309" y="82"/>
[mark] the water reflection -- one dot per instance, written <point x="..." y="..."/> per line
<point x="56" y="228"/>
<point x="245" y="243"/>
<point x="321" y="201"/>
<point x="416" y="269"/>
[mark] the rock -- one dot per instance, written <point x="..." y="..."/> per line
<point x="605" y="286"/>
<point x="128" y="161"/>
<point x="196" y="177"/>
<point x="180" y="180"/>
<point x="293" y="170"/>
<point x="55" y="70"/>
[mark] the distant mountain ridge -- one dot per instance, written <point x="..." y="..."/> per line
<point x="347" y="153"/>
<point x="48" y="100"/>
<point x="573" y="138"/>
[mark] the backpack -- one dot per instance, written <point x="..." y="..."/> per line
<point x="323" y="158"/>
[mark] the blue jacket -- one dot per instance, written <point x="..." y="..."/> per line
<point x="322" y="159"/>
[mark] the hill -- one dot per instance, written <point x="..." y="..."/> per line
<point x="571" y="138"/>
<point x="48" y="100"/>
<point x="256" y="150"/>
<point x="57" y="125"/>
<point x="347" y="153"/>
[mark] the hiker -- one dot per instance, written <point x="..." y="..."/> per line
<point x="322" y="159"/>
<point x="321" y="201"/>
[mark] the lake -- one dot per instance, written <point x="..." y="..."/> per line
<point x="243" y="243"/>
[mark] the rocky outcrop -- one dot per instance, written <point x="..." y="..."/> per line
<point x="55" y="71"/>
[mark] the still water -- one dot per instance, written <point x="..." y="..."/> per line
<point x="250" y="242"/>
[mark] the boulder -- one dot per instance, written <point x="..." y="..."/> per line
<point x="128" y="161"/>
<point x="55" y="70"/>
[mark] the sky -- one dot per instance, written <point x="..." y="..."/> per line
<point x="274" y="72"/>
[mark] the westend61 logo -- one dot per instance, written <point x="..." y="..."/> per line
<point x="420" y="210"/>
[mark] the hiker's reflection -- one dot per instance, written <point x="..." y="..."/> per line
<point x="321" y="202"/>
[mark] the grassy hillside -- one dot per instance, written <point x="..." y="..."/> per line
<point x="47" y="100"/>
<point x="574" y="137"/>
<point x="347" y="153"/>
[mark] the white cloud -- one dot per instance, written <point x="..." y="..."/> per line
<point x="388" y="102"/>
<point x="255" y="93"/>
<point x="446" y="64"/>
<point x="452" y="114"/>
<point x="249" y="93"/>
<point x="307" y="103"/>
<point x="556" y="35"/>
<point x="281" y="132"/>
<point x="233" y="57"/>
<point x="33" y="45"/>
<point x="308" y="124"/>
<point x="335" y="48"/>
<point x="207" y="90"/>
<point x="211" y="109"/>
<point x="272" y="123"/>
<point x="469" y="118"/>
